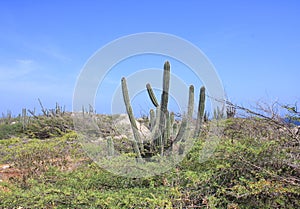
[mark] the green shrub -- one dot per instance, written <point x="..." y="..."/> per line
<point x="10" y="130"/>
<point x="43" y="127"/>
<point x="245" y="172"/>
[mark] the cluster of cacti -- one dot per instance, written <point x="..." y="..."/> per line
<point x="8" y="117"/>
<point x="58" y="111"/>
<point x="227" y="111"/>
<point x="88" y="111"/>
<point x="162" y="124"/>
<point x="230" y="111"/>
<point x="219" y="113"/>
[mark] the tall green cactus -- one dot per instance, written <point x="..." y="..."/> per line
<point x="137" y="143"/>
<point x="184" y="128"/>
<point x="164" y="103"/>
<point x="200" y="115"/>
<point x="166" y="86"/>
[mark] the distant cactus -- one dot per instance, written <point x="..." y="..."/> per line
<point x="230" y="111"/>
<point x="219" y="113"/>
<point x="24" y="118"/>
<point x="57" y="109"/>
<point x="172" y="118"/>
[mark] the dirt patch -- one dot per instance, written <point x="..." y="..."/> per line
<point x="7" y="171"/>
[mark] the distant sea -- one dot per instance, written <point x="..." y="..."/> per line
<point x="295" y="122"/>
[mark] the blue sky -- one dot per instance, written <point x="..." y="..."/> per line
<point x="254" y="45"/>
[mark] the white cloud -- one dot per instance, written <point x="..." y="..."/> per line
<point x="24" y="61"/>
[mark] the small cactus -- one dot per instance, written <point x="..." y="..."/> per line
<point x="24" y="120"/>
<point x="152" y="120"/>
<point x="57" y="109"/>
<point x="110" y="146"/>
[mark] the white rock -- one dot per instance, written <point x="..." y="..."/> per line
<point x="296" y="130"/>
<point x="122" y="136"/>
<point x="3" y="167"/>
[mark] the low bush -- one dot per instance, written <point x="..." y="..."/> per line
<point x="10" y="130"/>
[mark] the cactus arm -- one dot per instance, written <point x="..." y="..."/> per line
<point x="152" y="95"/>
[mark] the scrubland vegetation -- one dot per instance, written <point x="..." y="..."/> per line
<point x="255" y="165"/>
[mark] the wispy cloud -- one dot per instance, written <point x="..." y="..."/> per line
<point x="17" y="69"/>
<point x="49" y="49"/>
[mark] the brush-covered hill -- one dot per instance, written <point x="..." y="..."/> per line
<point x="256" y="164"/>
